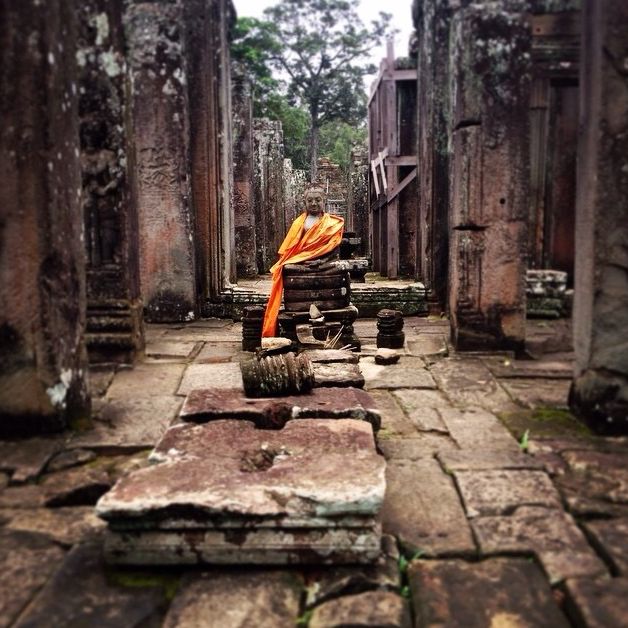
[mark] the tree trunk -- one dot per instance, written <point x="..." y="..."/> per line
<point x="314" y="142"/>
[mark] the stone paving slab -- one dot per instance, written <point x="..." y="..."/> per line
<point x="65" y="526"/>
<point x="349" y="403"/>
<point x="395" y="423"/>
<point x="80" y="594"/>
<point x="478" y="430"/>
<point x="337" y="375"/>
<point x="610" y="538"/>
<point x="496" y="593"/>
<point x="420" y="446"/>
<point x="26" y="562"/>
<point x="468" y="382"/>
<point x="429" y="346"/>
<point x="371" y="608"/>
<point x="221" y="376"/>
<point x="421" y="406"/>
<point x="538" y="393"/>
<point x="219" y="352"/>
<point x="100" y="378"/>
<point x="470" y="460"/>
<point x="129" y="424"/>
<point x="237" y="599"/>
<point x="409" y="372"/>
<point x="145" y="380"/>
<point x="165" y="349"/>
<point x="78" y="486"/>
<point x="549" y="534"/>
<point x="26" y="496"/>
<point x="504" y="367"/>
<point x="600" y="603"/>
<point x="423" y="510"/>
<point x="26" y="459"/>
<point x="501" y="491"/>
<point x="332" y="356"/>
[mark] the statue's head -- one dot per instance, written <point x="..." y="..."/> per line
<point x="314" y="199"/>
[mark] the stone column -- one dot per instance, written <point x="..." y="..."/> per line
<point x="159" y="133"/>
<point x="600" y="390"/>
<point x="489" y="175"/>
<point x="357" y="203"/>
<point x="114" y="309"/>
<point x="244" y="218"/>
<point x="43" y="368"/>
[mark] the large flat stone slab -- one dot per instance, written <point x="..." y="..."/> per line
<point x="468" y="382"/>
<point x="307" y="493"/>
<point x="470" y="460"/>
<point x="26" y="562"/>
<point x="170" y="349"/>
<point x="219" y="352"/>
<point x="423" y="510"/>
<point x="145" y="380"/>
<point x="211" y="404"/>
<point x="340" y="375"/>
<point x="478" y="430"/>
<point x="610" y="537"/>
<point x="547" y="533"/>
<point x="493" y="593"/>
<point x="222" y="376"/>
<point x="409" y="372"/>
<point x="420" y="446"/>
<point x="538" y="393"/>
<point x="500" y="491"/>
<point x="395" y="423"/>
<point x="598" y="603"/>
<point x="26" y="459"/>
<point x="421" y="406"/>
<point x="503" y="367"/>
<point x="332" y="356"/>
<point x="82" y="593"/>
<point x="371" y="608"/>
<point x="235" y="600"/>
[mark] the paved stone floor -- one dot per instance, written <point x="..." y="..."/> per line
<point x="501" y="509"/>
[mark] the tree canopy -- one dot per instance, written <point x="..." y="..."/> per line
<point x="318" y="50"/>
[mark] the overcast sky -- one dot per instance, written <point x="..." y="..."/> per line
<point x="369" y="9"/>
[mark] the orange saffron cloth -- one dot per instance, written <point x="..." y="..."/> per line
<point x="300" y="246"/>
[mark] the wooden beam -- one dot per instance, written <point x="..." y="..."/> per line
<point x="399" y="187"/>
<point x="405" y="75"/>
<point x="402" y="160"/>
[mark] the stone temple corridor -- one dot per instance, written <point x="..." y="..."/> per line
<point x="499" y="506"/>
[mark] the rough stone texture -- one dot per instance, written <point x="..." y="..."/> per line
<point x="95" y="600"/>
<point x="600" y="392"/>
<point x="210" y="404"/>
<point x="27" y="496"/>
<point x="408" y="373"/>
<point x="532" y="393"/>
<point x="476" y="429"/>
<point x="504" y="367"/>
<point x="429" y="346"/>
<point x="499" y="592"/>
<point x="150" y="379"/>
<point x="165" y="349"/>
<point x="219" y="352"/>
<point x="26" y="459"/>
<point x="423" y="511"/>
<point x="237" y="599"/>
<point x="372" y="608"/>
<point x="332" y="356"/>
<point x="114" y="316"/>
<point x="421" y="406"/>
<point x="66" y="526"/>
<point x="485" y="460"/>
<point x="218" y="376"/>
<point x="467" y="382"/>
<point x="338" y="375"/>
<point x="43" y="376"/>
<point x="386" y="357"/>
<point x="489" y="131"/>
<point x="598" y="603"/>
<point x="80" y="486"/>
<point x="243" y="168"/>
<point x="395" y="423"/>
<point x="421" y="446"/>
<point x="548" y="533"/>
<point x="26" y="562"/>
<point x="158" y="111"/>
<point x="268" y="497"/>
<point x="499" y="492"/>
<point x="610" y="537"/>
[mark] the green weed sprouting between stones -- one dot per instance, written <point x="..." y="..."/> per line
<point x="524" y="443"/>
<point x="304" y="620"/>
<point x="403" y="565"/>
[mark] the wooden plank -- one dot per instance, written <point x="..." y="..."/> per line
<point x="402" y="160"/>
<point x="405" y="75"/>
<point x="399" y="187"/>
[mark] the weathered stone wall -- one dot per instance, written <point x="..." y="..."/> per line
<point x="159" y="158"/>
<point x="114" y="311"/>
<point x="243" y="168"/>
<point x="43" y="364"/>
<point x="600" y="390"/>
<point x="357" y="203"/>
<point x="270" y="226"/>
<point x="489" y="130"/>
<point x="294" y="183"/>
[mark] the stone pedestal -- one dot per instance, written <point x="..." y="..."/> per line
<point x="489" y="65"/>
<point x="43" y="370"/>
<point x="600" y="390"/>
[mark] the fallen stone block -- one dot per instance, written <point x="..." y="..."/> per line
<point x="385" y="356"/>
<point x="204" y="405"/>
<point x="226" y="492"/>
<point x="337" y="376"/>
<point x="332" y="356"/>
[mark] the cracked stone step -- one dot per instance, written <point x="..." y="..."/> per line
<point x="226" y="492"/>
<point x="210" y="404"/>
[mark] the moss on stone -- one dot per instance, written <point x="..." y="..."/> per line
<point x="169" y="582"/>
<point x="544" y="423"/>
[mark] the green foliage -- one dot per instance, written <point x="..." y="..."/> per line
<point x="524" y="443"/>
<point x="339" y="138"/>
<point x="296" y="127"/>
<point x="304" y="620"/>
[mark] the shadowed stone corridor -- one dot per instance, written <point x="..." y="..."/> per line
<point x="498" y="504"/>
